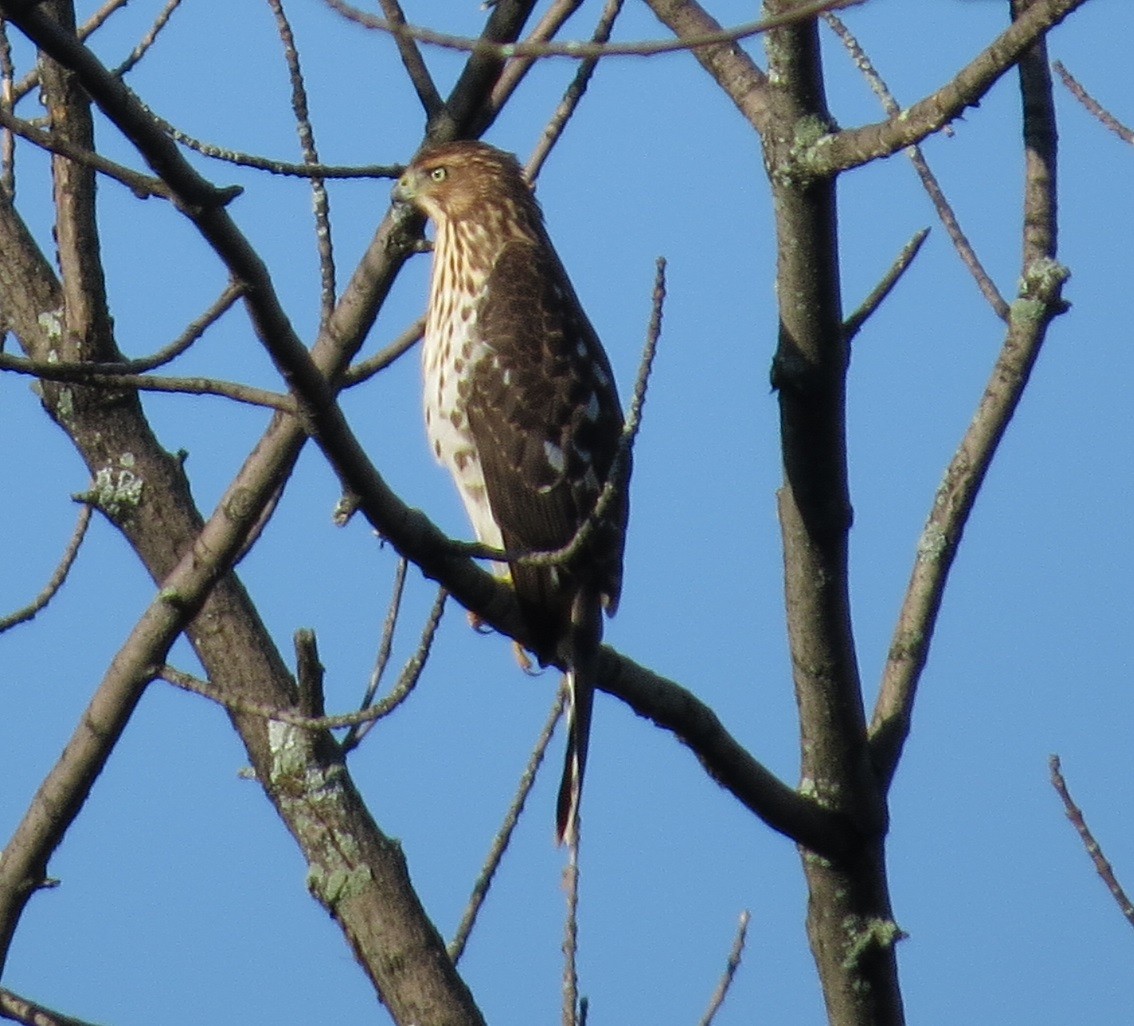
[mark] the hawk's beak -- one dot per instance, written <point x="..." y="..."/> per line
<point x="404" y="191"/>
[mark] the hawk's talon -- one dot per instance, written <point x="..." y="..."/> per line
<point x="525" y="660"/>
<point x="477" y="623"/>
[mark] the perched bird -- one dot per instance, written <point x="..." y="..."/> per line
<point x="521" y="407"/>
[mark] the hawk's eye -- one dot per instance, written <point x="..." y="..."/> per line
<point x="439" y="174"/>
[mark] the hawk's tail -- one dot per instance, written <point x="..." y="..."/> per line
<point x="586" y="635"/>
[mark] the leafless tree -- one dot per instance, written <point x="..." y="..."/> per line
<point x="60" y="313"/>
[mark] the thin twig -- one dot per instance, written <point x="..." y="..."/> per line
<point x="96" y="376"/>
<point x="1102" y="865"/>
<point x="194" y="330"/>
<point x="354" y="735"/>
<point x="582" y="51"/>
<point x="928" y="179"/>
<point x="574" y="93"/>
<point x="283" y="168"/>
<point x="829" y="154"/>
<point x="364" y="370"/>
<point x="729" y="975"/>
<point x="853" y="324"/>
<point x="615" y="478"/>
<point x="320" y="201"/>
<point x="148" y="39"/>
<point x="61" y="571"/>
<point x="504" y="834"/>
<point x="1093" y="105"/>
<point x="411" y="672"/>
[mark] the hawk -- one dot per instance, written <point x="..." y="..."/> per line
<point x="521" y="407"/>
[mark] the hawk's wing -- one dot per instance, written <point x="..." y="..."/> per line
<point x="545" y="417"/>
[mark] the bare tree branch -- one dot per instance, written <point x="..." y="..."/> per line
<point x="572" y="1013"/>
<point x="574" y="94"/>
<point x="31" y="81"/>
<point x="504" y="835"/>
<point x="148" y="39"/>
<point x="1094" y="850"/>
<point x="848" y="906"/>
<point x="731" y="966"/>
<point x="276" y="167"/>
<point x="305" y="718"/>
<point x="1092" y="105"/>
<point x="364" y="370"/>
<point x="412" y="60"/>
<point x="142" y="186"/>
<point x="194" y="330"/>
<point x="385" y="645"/>
<point x="853" y="324"/>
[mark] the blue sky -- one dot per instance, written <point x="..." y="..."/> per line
<point x="182" y="897"/>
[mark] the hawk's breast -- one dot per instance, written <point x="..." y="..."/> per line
<point x="450" y="352"/>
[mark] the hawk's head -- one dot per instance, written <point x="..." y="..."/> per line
<point x="466" y="181"/>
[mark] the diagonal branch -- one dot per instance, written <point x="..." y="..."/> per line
<point x="105" y="375"/>
<point x="70" y="553"/>
<point x="504" y="835"/>
<point x="574" y="94"/>
<point x="517" y="68"/>
<point x="695" y="725"/>
<point x="1094" y="850"/>
<point x="1093" y="106"/>
<point x="1039" y="301"/>
<point x="20" y="1009"/>
<point x="853" y="324"/>
<point x="148" y="39"/>
<point x="418" y="73"/>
